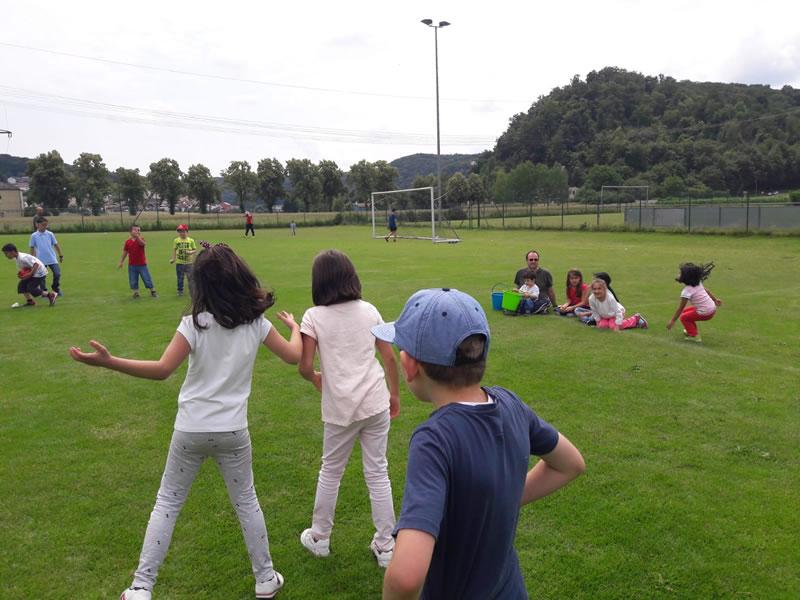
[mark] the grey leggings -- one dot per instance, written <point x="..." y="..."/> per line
<point x="187" y="451"/>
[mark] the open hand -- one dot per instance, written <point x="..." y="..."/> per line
<point x="100" y="358"/>
<point x="287" y="319"/>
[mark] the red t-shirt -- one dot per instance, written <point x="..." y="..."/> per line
<point x="135" y="252"/>
<point x="249" y="219"/>
<point x="573" y="296"/>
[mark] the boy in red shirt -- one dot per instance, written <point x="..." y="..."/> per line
<point x="137" y="262"/>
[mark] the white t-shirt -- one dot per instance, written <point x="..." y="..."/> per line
<point x="532" y="290"/>
<point x="698" y="296"/>
<point x="214" y="394"/>
<point x="29" y="261"/>
<point x="607" y="309"/>
<point x="353" y="382"/>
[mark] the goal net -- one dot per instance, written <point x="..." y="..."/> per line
<point x="417" y="214"/>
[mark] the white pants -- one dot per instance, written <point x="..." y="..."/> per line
<point x="373" y="434"/>
<point x="232" y="452"/>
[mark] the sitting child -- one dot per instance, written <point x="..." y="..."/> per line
<point x="608" y="313"/>
<point x="577" y="304"/>
<point x="530" y="293"/>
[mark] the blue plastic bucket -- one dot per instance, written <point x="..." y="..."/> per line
<point x="497" y="298"/>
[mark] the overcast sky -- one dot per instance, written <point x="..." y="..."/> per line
<point x="211" y="82"/>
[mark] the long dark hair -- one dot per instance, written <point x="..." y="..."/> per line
<point x="572" y="272"/>
<point x="223" y="284"/>
<point x="334" y="279"/>
<point x="607" y="279"/>
<point x="692" y="274"/>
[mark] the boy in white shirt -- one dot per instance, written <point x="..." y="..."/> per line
<point x="31" y="273"/>
<point x="530" y="293"/>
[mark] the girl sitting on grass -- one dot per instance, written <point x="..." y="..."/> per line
<point x="356" y="404"/>
<point x="608" y="313"/>
<point x="703" y="303"/>
<point x="221" y="338"/>
<point x="577" y="304"/>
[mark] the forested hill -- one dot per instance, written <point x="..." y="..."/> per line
<point x="619" y="127"/>
<point x="416" y="165"/>
<point x="12" y="166"/>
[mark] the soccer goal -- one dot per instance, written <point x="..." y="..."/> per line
<point x="418" y="216"/>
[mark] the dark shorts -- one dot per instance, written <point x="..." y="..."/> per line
<point x="32" y="286"/>
<point x="392" y="229"/>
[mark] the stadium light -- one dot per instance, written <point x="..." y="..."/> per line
<point x="429" y="23"/>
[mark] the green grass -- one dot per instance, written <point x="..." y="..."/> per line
<point x="692" y="482"/>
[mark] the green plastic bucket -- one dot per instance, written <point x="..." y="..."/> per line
<point x="511" y="300"/>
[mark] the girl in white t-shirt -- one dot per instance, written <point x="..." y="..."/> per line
<point x="356" y="403"/>
<point x="221" y="338"/>
<point x="703" y="303"/>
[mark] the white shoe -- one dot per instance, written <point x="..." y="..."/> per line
<point x="269" y="588"/>
<point x="136" y="594"/>
<point x="384" y="557"/>
<point x="319" y="548"/>
<point x="16" y="305"/>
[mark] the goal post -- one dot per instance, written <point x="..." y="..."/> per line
<point x="417" y="214"/>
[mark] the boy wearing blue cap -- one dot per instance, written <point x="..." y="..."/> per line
<point x="467" y="472"/>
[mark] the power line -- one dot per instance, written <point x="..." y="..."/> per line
<point x="251" y="81"/>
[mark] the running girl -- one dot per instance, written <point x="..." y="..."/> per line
<point x="703" y="303"/>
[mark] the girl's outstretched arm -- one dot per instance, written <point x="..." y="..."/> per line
<point x="390" y="368"/>
<point x="306" y="366"/>
<point x="174" y="354"/>
<point x="678" y="312"/>
<point x="287" y="350"/>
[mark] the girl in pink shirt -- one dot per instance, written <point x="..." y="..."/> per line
<point x="356" y="402"/>
<point x="703" y="303"/>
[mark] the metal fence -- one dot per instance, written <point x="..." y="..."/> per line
<point x="743" y="217"/>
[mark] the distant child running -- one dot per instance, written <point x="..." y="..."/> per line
<point x="392" y="226"/>
<point x="467" y="474"/>
<point x="608" y="313"/>
<point x="703" y="303"/>
<point x="137" y="262"/>
<point x="31" y="272"/>
<point x="577" y="304"/>
<point x="44" y="246"/>
<point x="293" y="228"/>
<point x="221" y="338"/>
<point x="183" y="249"/>
<point x="248" y="224"/>
<point x="356" y="403"/>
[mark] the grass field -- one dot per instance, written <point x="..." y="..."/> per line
<point x="691" y="450"/>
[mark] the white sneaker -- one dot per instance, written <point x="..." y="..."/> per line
<point x="269" y="588"/>
<point x="16" y="305"/>
<point x="136" y="594"/>
<point x="384" y="557"/>
<point x="319" y="548"/>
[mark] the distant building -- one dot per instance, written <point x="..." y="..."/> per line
<point x="11" y="204"/>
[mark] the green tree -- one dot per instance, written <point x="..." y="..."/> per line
<point x="306" y="182"/>
<point x="90" y="181"/>
<point x="476" y="192"/>
<point x="600" y="175"/>
<point x="49" y="182"/>
<point x="271" y="175"/>
<point x="673" y="186"/>
<point x="240" y="177"/>
<point x="131" y="188"/>
<point x="166" y="180"/>
<point x="457" y="191"/>
<point x="331" y="177"/>
<point x="385" y="177"/>
<point x="201" y="186"/>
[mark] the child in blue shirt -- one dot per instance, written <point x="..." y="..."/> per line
<point x="467" y="472"/>
<point x="44" y="246"/>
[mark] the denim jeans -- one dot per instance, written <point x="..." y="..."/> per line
<point x="134" y="272"/>
<point x="182" y="270"/>
<point x="56" y="269"/>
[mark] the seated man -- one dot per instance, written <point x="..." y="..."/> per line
<point x="547" y="295"/>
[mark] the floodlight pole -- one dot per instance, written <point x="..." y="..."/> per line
<point x="429" y="23"/>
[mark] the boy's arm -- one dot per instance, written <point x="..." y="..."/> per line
<point x="555" y="470"/>
<point x="390" y="368"/>
<point x="122" y="260"/>
<point x="60" y="254"/>
<point x="174" y="354"/>
<point x="306" y="366"/>
<point x="174" y="252"/>
<point x="681" y="306"/>
<point x="406" y="574"/>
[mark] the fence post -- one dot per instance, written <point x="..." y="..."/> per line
<point x="640" y="213"/>
<point x="747" y="212"/>
<point x="690" y="215"/>
<point x="503" y="216"/>
<point x="562" y="214"/>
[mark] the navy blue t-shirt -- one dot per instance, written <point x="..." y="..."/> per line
<point x="464" y="481"/>
<point x="392" y="222"/>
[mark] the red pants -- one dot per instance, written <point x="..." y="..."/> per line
<point x="688" y="318"/>
<point x="611" y="323"/>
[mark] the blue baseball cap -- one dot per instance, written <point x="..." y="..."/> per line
<point x="433" y="324"/>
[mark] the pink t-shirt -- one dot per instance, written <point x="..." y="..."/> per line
<point x="353" y="381"/>
<point x="698" y="296"/>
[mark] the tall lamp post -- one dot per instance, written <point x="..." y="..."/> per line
<point x="429" y="23"/>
